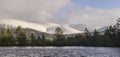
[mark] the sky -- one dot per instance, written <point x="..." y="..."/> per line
<point x="105" y="4"/>
<point x="93" y="13"/>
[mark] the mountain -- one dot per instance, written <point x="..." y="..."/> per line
<point x="102" y="29"/>
<point x="43" y="27"/>
<point x="70" y="28"/>
<point x="65" y="28"/>
<point x="80" y="27"/>
<point x="15" y="23"/>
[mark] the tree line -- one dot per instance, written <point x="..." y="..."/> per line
<point x="110" y="38"/>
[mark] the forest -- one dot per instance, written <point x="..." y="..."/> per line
<point x="110" y="38"/>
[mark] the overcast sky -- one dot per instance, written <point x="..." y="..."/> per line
<point x="94" y="13"/>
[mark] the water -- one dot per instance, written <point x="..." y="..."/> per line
<point x="59" y="52"/>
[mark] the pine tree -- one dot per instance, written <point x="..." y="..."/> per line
<point x="22" y="36"/>
<point x="13" y="40"/>
<point x="118" y="23"/>
<point x="96" y="33"/>
<point x="59" y="31"/>
<point x="87" y="33"/>
<point x="43" y="40"/>
<point x="4" y="39"/>
<point x="33" y="39"/>
<point x="116" y="39"/>
<point x="7" y="38"/>
<point x="96" y="37"/>
<point x="38" y="40"/>
<point x="19" y="29"/>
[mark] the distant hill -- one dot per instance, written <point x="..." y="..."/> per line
<point x="47" y="28"/>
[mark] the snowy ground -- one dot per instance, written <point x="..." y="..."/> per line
<point x="59" y="52"/>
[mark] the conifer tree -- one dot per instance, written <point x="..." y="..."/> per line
<point x="96" y="33"/>
<point x="59" y="31"/>
<point x="22" y="36"/>
<point x="87" y="33"/>
<point x="33" y="39"/>
<point x="4" y="39"/>
<point x="12" y="38"/>
<point x="7" y="38"/>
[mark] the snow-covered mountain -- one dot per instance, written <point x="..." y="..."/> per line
<point x="80" y="27"/>
<point x="15" y="23"/>
<point x="43" y="27"/>
<point x="102" y="29"/>
<point x="65" y="28"/>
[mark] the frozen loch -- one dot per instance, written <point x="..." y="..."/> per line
<point x="59" y="52"/>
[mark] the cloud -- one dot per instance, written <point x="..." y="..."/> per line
<point x="40" y="11"/>
<point x="31" y="10"/>
<point x="92" y="17"/>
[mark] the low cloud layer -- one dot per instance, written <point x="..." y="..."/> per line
<point x="31" y="10"/>
<point x="40" y="11"/>
<point x="93" y="18"/>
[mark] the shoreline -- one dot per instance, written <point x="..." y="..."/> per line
<point x="55" y="47"/>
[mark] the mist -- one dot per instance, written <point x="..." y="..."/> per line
<point x="57" y="11"/>
<point x="16" y="23"/>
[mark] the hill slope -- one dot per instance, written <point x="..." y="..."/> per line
<point x="42" y="27"/>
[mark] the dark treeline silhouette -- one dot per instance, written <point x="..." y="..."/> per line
<point x="110" y="38"/>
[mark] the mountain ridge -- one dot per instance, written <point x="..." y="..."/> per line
<point x="46" y="27"/>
